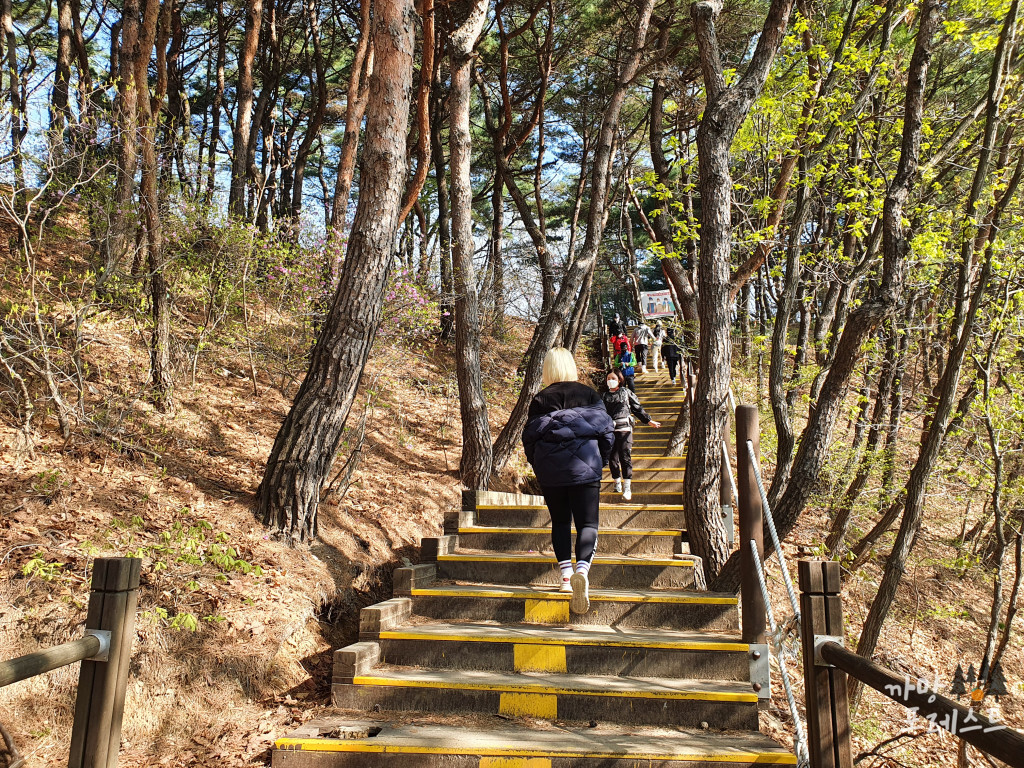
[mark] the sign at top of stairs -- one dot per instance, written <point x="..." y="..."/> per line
<point x="478" y="663"/>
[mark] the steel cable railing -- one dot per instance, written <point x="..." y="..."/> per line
<point x="803" y="758"/>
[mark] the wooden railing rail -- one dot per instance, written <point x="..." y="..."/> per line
<point x="827" y="663"/>
<point x="104" y="654"/>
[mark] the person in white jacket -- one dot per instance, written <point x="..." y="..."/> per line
<point x="642" y="338"/>
<point x="656" y="342"/>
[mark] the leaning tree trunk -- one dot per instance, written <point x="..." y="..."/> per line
<point x="289" y="495"/>
<point x="725" y="112"/>
<point x="475" y="465"/>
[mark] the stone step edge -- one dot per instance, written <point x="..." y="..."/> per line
<point x="547" y="530"/>
<point x="520" y="743"/>
<point x="528" y="686"/>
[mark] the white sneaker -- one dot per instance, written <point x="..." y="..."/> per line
<point x="673" y="381"/>
<point x="580" y="601"/>
<point x="618" y="485"/>
<point x="566" y="586"/>
<point x="627" y="492"/>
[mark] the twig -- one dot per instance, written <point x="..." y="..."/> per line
<point x="891" y="740"/>
<point x="14" y="760"/>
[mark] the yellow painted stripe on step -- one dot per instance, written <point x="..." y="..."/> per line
<point x="556" y="597"/>
<point x="543" y="706"/>
<point x="539" y="658"/>
<point x="603" y="531"/>
<point x="599" y="560"/>
<point x="515" y="762"/>
<point x="553" y="692"/>
<point x="356" y="745"/>
<point x="520" y="641"/>
<point x="547" y="611"/>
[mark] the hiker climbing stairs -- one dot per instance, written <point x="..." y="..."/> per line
<point x="478" y="661"/>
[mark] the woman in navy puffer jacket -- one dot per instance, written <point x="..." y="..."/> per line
<point x="568" y="439"/>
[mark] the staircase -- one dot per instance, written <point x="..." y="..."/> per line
<point x="478" y="662"/>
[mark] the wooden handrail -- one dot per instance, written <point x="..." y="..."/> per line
<point x="104" y="653"/>
<point x="995" y="739"/>
<point x="41" y="662"/>
<point x="828" y="664"/>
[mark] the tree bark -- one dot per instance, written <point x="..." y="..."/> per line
<point x="243" y="109"/>
<point x="289" y="495"/>
<point x="475" y="465"/>
<point x="149" y="109"/>
<point x="122" y="223"/>
<point x="60" y="96"/>
<point x="218" y="102"/>
<point x="726" y="109"/>
<point x="355" y="106"/>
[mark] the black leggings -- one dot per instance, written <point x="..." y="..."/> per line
<point x="672" y="362"/>
<point x="641" y="354"/>
<point x="579" y="504"/>
<point x="621" y="463"/>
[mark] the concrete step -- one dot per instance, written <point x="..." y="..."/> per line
<point x="659" y="462"/>
<point x="642" y="485"/>
<point x="538" y="539"/>
<point x="598" y="650"/>
<point x="723" y="704"/>
<point x="647" y="497"/>
<point x="337" y="742"/>
<point x="647" y="517"/>
<point x="711" y="611"/>
<point x="607" y="571"/>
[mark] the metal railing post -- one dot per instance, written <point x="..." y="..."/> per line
<point x="99" y="707"/>
<point x="828" y="713"/>
<point x="752" y="609"/>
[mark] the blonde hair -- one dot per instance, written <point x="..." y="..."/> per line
<point x="559" y="366"/>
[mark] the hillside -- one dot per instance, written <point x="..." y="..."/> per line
<point x="235" y="630"/>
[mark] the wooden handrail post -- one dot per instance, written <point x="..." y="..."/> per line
<point x="99" y="707"/>
<point x="752" y="608"/>
<point x="828" y="712"/>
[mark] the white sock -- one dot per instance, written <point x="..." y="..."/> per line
<point x="583" y="566"/>
<point x="565" y="566"/>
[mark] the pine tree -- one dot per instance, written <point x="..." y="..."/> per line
<point x="958" y="688"/>
<point x="997" y="685"/>
<point x="972" y="678"/>
<point x="983" y="672"/>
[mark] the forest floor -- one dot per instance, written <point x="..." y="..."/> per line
<point x="235" y="630"/>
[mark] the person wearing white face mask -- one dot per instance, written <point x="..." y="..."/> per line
<point x="622" y="405"/>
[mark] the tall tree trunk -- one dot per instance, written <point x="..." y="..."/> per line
<point x="243" y="109"/>
<point x="218" y="102"/>
<point x="60" y="96"/>
<point x="475" y="466"/>
<point x="123" y="223"/>
<point x="316" y="111"/>
<point x="583" y="265"/>
<point x="289" y="495"/>
<point x="149" y="109"/>
<point x="497" y="256"/>
<point x="444" y="238"/>
<point x="724" y="113"/>
<point x="355" y="106"/>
